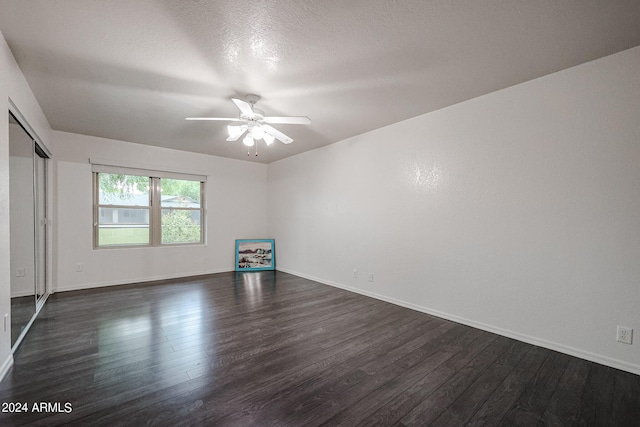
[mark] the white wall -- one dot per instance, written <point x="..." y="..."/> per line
<point x="516" y="212"/>
<point x="13" y="89"/>
<point x="236" y="196"/>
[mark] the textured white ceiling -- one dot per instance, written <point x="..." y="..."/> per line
<point x="133" y="70"/>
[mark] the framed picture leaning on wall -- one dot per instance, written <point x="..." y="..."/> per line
<point x="255" y="254"/>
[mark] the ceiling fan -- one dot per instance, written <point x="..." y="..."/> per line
<point x="255" y="123"/>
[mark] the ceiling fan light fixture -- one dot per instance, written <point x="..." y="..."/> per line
<point x="268" y="138"/>
<point x="248" y="141"/>
<point x="236" y="131"/>
<point x="257" y="132"/>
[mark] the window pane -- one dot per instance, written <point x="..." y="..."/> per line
<point x="127" y="190"/>
<point x="123" y="226"/>
<point x="178" y="193"/>
<point x="180" y="226"/>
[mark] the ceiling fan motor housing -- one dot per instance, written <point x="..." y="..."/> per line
<point x="252" y="98"/>
<point x="258" y="116"/>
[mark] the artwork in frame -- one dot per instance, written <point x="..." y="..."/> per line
<point x="255" y="254"/>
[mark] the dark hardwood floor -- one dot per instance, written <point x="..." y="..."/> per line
<point x="22" y="310"/>
<point x="269" y="349"/>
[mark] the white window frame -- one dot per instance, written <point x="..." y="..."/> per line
<point x="155" y="204"/>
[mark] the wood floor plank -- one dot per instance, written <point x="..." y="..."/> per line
<point x="436" y="403"/>
<point x="529" y="408"/>
<point x="504" y="397"/>
<point x="595" y="406"/>
<point x="293" y="404"/>
<point x="625" y="409"/>
<point x="270" y="348"/>
<point x="434" y="354"/>
<point x="564" y="405"/>
<point x="465" y="406"/>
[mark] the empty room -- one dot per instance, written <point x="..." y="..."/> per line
<point x="306" y="213"/>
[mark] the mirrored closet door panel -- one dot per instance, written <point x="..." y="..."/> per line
<point x="22" y="218"/>
<point x="28" y="218"/>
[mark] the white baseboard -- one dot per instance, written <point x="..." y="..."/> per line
<point x="65" y="288"/>
<point x="582" y="354"/>
<point x="8" y="363"/>
<point x="22" y="294"/>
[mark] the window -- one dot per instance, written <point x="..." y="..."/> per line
<point x="181" y="211"/>
<point x="134" y="207"/>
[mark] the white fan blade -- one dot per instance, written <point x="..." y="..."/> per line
<point x="277" y="134"/>
<point x="299" y="120"/>
<point x="235" y="132"/>
<point x="243" y="106"/>
<point x="223" y="119"/>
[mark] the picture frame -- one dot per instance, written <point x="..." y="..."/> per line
<point x="255" y="254"/>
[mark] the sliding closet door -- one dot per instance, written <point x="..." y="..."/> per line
<point x="28" y="217"/>
<point x="22" y="232"/>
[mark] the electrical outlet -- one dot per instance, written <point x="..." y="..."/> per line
<point x="371" y="277"/>
<point x="355" y="274"/>
<point x="79" y="267"/>
<point x="624" y="335"/>
<point x="20" y="272"/>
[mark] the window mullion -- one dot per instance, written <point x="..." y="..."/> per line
<point x="96" y="209"/>
<point x="156" y="205"/>
<point x="202" y="213"/>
